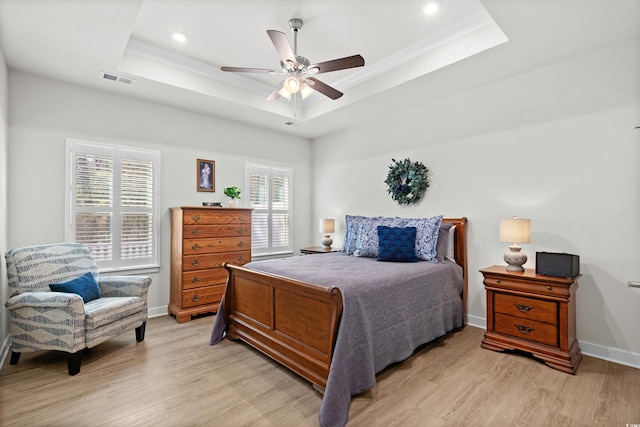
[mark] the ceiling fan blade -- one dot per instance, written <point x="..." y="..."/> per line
<point x="323" y="88"/>
<point x="251" y="70"/>
<point x="337" y="64"/>
<point x="281" y="42"/>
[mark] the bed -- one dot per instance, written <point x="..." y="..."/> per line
<point x="337" y="333"/>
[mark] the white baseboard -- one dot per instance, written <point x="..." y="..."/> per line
<point x="610" y="354"/>
<point x="615" y="355"/>
<point x="477" y="322"/>
<point x="157" y="311"/>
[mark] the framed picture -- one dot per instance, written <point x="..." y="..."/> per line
<point x="206" y="172"/>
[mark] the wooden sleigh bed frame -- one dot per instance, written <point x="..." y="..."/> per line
<point x="294" y="322"/>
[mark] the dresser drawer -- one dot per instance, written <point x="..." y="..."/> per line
<point x="202" y="296"/>
<point x="213" y="216"/>
<point x="199" y="278"/>
<point x="526" y="329"/>
<point x="222" y="244"/>
<point x="206" y="261"/>
<point x="527" y="308"/>
<point x="200" y="231"/>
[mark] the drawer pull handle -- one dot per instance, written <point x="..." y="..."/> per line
<point x="523" y="308"/>
<point x="497" y="280"/>
<point x="195" y="246"/>
<point x="196" y="231"/>
<point x="195" y="298"/>
<point x="195" y="262"/>
<point x="241" y="258"/>
<point x="548" y="288"/>
<point x="195" y="280"/>
<point x="196" y="218"/>
<point x="241" y="243"/>
<point x="523" y="329"/>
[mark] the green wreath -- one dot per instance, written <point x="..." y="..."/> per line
<point x="407" y="181"/>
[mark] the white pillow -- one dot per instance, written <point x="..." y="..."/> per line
<point x="451" y="245"/>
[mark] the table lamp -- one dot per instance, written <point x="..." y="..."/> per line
<point x="515" y="230"/>
<point x="327" y="226"/>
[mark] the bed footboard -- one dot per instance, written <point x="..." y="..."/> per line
<point x="293" y="322"/>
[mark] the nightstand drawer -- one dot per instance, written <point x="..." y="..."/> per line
<point x="544" y="288"/>
<point x="527" y="308"/>
<point x="529" y="330"/>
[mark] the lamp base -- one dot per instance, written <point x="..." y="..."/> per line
<point x="515" y="259"/>
<point x="327" y="242"/>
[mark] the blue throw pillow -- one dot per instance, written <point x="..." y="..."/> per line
<point x="397" y="244"/>
<point x="85" y="286"/>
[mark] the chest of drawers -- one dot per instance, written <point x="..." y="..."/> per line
<point x="202" y="239"/>
<point x="532" y="313"/>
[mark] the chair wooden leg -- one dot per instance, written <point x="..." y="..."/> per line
<point x="140" y="332"/>
<point x="15" y="356"/>
<point x="73" y="362"/>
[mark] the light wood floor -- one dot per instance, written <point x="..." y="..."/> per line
<point x="174" y="378"/>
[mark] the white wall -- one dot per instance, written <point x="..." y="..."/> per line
<point x="4" y="317"/>
<point x="44" y="112"/>
<point x="556" y="145"/>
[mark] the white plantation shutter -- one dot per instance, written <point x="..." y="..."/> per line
<point x="269" y="197"/>
<point x="112" y="204"/>
<point x="93" y="200"/>
<point x="137" y="209"/>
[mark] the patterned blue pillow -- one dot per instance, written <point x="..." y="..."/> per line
<point x="426" y="236"/>
<point x="367" y="242"/>
<point x="352" y="222"/>
<point x="397" y="244"/>
<point x="85" y="286"/>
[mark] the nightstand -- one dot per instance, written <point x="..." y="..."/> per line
<point x="318" y="250"/>
<point x="532" y="313"/>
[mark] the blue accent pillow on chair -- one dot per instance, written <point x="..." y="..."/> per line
<point x="397" y="244"/>
<point x="85" y="286"/>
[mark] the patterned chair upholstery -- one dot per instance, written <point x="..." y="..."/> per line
<point x="45" y="320"/>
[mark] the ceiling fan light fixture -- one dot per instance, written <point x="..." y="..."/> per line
<point x="292" y="85"/>
<point x="284" y="93"/>
<point x="305" y="90"/>
<point x="432" y="6"/>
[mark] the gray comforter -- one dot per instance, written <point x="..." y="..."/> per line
<point x="389" y="310"/>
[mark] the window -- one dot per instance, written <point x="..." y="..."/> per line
<point x="112" y="204"/>
<point x="269" y="197"/>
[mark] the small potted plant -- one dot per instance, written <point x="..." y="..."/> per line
<point x="233" y="193"/>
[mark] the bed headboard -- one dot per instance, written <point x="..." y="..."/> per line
<point x="460" y="251"/>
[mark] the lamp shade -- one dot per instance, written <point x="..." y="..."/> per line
<point x="327" y="225"/>
<point x="515" y="230"/>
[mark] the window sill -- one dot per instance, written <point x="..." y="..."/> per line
<point x="271" y="256"/>
<point x="128" y="271"/>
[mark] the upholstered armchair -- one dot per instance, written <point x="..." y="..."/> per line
<point x="45" y="320"/>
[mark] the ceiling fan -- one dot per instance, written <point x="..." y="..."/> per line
<point x="298" y="68"/>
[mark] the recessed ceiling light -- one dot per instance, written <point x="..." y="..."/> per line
<point x="432" y="6"/>
<point x="179" y="36"/>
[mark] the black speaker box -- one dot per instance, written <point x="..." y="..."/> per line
<point x="557" y="264"/>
